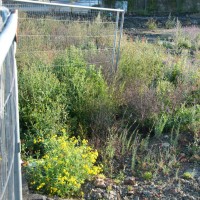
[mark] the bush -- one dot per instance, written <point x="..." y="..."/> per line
<point x="188" y="175"/>
<point x="141" y="61"/>
<point x="140" y="68"/>
<point x="164" y="90"/>
<point x="188" y="118"/>
<point x="151" y="24"/>
<point x="152" y="86"/>
<point x="66" y="165"/>
<point x="186" y="38"/>
<point x="41" y="109"/>
<point x="85" y="87"/>
<point x="147" y="176"/>
<point x="171" y="22"/>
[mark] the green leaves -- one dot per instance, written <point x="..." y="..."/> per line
<point x="66" y="165"/>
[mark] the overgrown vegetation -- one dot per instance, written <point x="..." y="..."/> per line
<point x="67" y="163"/>
<point x="64" y="101"/>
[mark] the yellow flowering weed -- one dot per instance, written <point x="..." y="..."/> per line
<point x="67" y="163"/>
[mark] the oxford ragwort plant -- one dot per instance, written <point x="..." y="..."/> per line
<point x="66" y="165"/>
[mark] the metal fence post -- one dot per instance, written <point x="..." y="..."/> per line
<point x="120" y="37"/>
<point x="115" y="41"/>
<point x="11" y="187"/>
<point x="17" y="161"/>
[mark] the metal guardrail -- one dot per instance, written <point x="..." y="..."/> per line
<point x="68" y="6"/>
<point x="10" y="166"/>
<point x="4" y="14"/>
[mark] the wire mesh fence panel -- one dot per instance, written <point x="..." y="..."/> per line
<point x="49" y="29"/>
<point x="10" y="172"/>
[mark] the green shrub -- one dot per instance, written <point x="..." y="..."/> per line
<point x="182" y="39"/>
<point x="70" y="93"/>
<point x="197" y="42"/>
<point x="175" y="72"/>
<point x="141" y="61"/>
<point x="153" y="86"/>
<point x="170" y="23"/>
<point x="184" y="42"/>
<point x="160" y="124"/>
<point x="140" y="69"/>
<point x="151" y="24"/>
<point x="85" y="87"/>
<point x="147" y="176"/>
<point x="164" y="90"/>
<point x="41" y="109"/>
<point x="187" y="117"/>
<point x="192" y="76"/>
<point x="181" y="73"/>
<point x="188" y="175"/>
<point x="66" y="165"/>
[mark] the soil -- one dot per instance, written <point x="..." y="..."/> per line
<point x="169" y="186"/>
<point x="135" y="26"/>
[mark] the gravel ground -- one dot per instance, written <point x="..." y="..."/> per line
<point x="163" y="187"/>
<point x="136" y="27"/>
<point x="169" y="186"/>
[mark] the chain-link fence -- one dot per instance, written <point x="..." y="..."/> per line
<point x="10" y="170"/>
<point x="49" y="29"/>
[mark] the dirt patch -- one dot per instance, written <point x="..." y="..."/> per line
<point x="136" y="27"/>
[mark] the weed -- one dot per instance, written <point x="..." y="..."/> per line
<point x="151" y="24"/>
<point x="109" y="153"/>
<point x="129" y="188"/>
<point x="147" y="176"/>
<point x="67" y="163"/>
<point x="120" y="177"/>
<point x="171" y="22"/>
<point x="134" y="152"/>
<point x="160" y="125"/>
<point x="109" y="188"/>
<point x="188" y="175"/>
<point x="177" y="174"/>
<point x="126" y="140"/>
<point x="194" y="147"/>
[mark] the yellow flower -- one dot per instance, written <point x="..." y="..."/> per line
<point x="54" y="158"/>
<point x="62" y="180"/>
<point x="84" y="156"/>
<point x="84" y="141"/>
<point x="72" y="180"/>
<point x="66" y="172"/>
<point x="33" y="183"/>
<point x="53" y="190"/>
<point x="48" y="165"/>
<point x="40" y="186"/>
<point x="63" y="145"/>
<point x="82" y="194"/>
<point x="54" y="137"/>
<point x="46" y="156"/>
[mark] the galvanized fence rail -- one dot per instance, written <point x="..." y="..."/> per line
<point x="48" y="29"/>
<point x="10" y="169"/>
